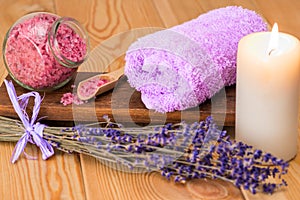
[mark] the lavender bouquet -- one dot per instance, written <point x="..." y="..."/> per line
<point x="178" y="151"/>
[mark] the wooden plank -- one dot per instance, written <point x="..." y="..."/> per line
<point x="103" y="19"/>
<point x="285" y="14"/>
<point x="57" y="178"/>
<point x="102" y="181"/>
<point x="175" y="12"/>
<point x="211" y="4"/>
<point x="251" y="5"/>
<point x="124" y="105"/>
<point x="288" y="19"/>
<point x="293" y="180"/>
<point x="113" y="184"/>
<point x="60" y="177"/>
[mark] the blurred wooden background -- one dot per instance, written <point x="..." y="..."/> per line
<point x="67" y="176"/>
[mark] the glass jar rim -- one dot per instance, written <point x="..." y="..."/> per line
<point x="52" y="41"/>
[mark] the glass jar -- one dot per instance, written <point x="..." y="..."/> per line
<point x="42" y="51"/>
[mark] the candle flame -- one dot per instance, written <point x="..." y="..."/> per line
<point x="273" y="43"/>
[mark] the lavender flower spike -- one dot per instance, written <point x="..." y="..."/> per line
<point x="33" y="131"/>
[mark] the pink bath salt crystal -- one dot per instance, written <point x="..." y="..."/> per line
<point x="101" y="82"/>
<point x="89" y="87"/>
<point x="70" y="44"/>
<point x="69" y="98"/>
<point x="29" y="57"/>
<point x="78" y="101"/>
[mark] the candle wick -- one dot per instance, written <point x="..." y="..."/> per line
<point x="274" y="39"/>
<point x="271" y="51"/>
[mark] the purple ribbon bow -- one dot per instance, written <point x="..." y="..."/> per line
<point x="33" y="131"/>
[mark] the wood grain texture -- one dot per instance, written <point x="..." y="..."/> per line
<point x="80" y="177"/>
<point x="293" y="180"/>
<point x="120" y="185"/>
<point x="130" y="110"/>
<point x="113" y="184"/>
<point x="58" y="178"/>
<point x="283" y="13"/>
<point x="287" y="17"/>
<point x="106" y="183"/>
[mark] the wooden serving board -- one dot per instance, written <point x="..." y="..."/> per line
<point x="123" y="105"/>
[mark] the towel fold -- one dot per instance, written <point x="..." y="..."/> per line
<point x="181" y="67"/>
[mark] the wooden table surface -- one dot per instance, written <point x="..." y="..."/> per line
<point x="67" y="176"/>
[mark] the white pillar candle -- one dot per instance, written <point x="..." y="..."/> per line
<point x="267" y="92"/>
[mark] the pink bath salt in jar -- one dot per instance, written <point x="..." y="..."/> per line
<point x="42" y="51"/>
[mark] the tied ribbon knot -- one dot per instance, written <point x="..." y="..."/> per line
<point x="33" y="131"/>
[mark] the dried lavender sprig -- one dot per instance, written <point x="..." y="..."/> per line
<point x="210" y="153"/>
<point x="65" y="142"/>
<point x="235" y="164"/>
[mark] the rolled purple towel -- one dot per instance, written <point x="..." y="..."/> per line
<point x="181" y="67"/>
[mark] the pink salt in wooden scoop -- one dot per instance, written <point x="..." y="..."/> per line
<point x="98" y="84"/>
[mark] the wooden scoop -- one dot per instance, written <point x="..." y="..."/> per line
<point x="111" y="78"/>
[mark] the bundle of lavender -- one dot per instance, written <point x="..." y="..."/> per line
<point x="178" y="151"/>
